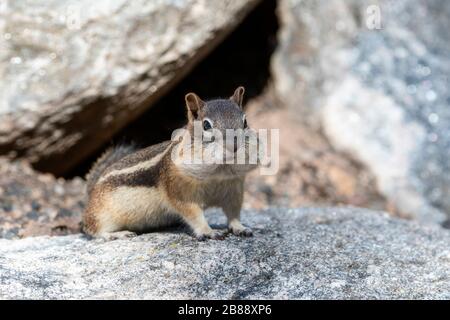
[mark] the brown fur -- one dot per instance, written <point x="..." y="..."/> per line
<point x="146" y="189"/>
<point x="108" y="158"/>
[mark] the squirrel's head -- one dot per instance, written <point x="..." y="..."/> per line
<point x="218" y="129"/>
<point x="219" y="114"/>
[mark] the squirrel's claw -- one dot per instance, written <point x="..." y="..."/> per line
<point x="244" y="232"/>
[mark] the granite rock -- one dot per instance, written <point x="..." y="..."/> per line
<point x="313" y="253"/>
<point x="374" y="76"/>
<point x="75" y="72"/>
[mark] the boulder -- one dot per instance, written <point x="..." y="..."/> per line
<point x="373" y="75"/>
<point x="74" y="73"/>
<point x="326" y="253"/>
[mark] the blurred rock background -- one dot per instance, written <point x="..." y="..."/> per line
<point x="374" y="77"/>
<point x="358" y="89"/>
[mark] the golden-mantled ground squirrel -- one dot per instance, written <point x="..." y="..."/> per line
<point x="134" y="191"/>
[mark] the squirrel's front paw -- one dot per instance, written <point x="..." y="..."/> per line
<point x="214" y="235"/>
<point x="238" y="229"/>
<point x="242" y="232"/>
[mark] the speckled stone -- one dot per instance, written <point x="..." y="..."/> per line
<point x="313" y="253"/>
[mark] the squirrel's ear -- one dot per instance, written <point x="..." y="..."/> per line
<point x="194" y="104"/>
<point x="238" y="96"/>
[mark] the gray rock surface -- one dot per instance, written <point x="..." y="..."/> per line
<point x="378" y="91"/>
<point x="340" y="253"/>
<point x="75" y="72"/>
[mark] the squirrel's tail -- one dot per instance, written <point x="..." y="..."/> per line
<point x="109" y="157"/>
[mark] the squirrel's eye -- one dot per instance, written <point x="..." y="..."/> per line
<point x="207" y="125"/>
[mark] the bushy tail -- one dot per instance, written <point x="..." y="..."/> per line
<point x="109" y="157"/>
